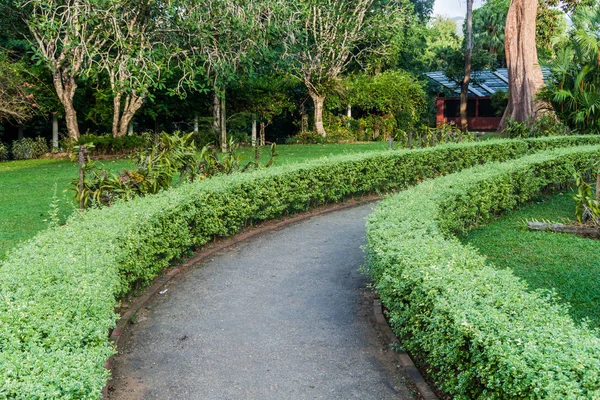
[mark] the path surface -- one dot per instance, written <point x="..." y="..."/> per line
<point x="284" y="315"/>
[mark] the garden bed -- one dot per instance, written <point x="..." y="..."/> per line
<point x="568" y="264"/>
<point x="483" y="333"/>
<point x="60" y="288"/>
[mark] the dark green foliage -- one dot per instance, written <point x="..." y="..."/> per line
<point x="543" y="126"/>
<point x="483" y="334"/>
<point x="3" y="152"/>
<point x="110" y="145"/>
<point x="499" y="102"/>
<point x="587" y="206"/>
<point x="156" y="167"/>
<point x="28" y="148"/>
<point x="60" y="288"/>
<point x="573" y="90"/>
<point x="395" y="95"/>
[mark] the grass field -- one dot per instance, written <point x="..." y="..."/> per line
<point x="27" y="188"/>
<point x="566" y="263"/>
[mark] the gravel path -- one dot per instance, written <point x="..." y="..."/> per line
<point x="284" y="315"/>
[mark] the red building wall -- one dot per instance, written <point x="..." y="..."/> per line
<point x="476" y="123"/>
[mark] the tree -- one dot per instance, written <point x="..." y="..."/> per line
<point x="524" y="72"/>
<point x="423" y="8"/>
<point x="66" y="35"/>
<point x="573" y="91"/>
<point x="225" y="38"/>
<point x="323" y="37"/>
<point x="133" y="55"/>
<point x="488" y="27"/>
<point x="17" y="102"/>
<point x="464" y="89"/>
<point x="395" y="95"/>
<point x="525" y="77"/>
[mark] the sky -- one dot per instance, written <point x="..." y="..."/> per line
<point x="453" y="8"/>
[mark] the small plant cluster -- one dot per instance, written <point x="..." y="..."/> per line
<point x="587" y="200"/>
<point x="482" y="333"/>
<point x="541" y="127"/>
<point x="4" y="153"/>
<point x="25" y="149"/>
<point x="110" y="145"/>
<point x="425" y="136"/>
<point x="59" y="289"/>
<point x="156" y="168"/>
<point x="381" y="128"/>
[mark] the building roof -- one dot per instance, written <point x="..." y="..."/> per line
<point x="483" y="83"/>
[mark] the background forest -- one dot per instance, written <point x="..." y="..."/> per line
<point x="288" y="71"/>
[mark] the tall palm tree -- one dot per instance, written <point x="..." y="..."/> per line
<point x="575" y="90"/>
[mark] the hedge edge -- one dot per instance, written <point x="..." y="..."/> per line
<point x="483" y="334"/>
<point x="59" y="290"/>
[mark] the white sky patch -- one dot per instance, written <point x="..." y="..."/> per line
<point x="453" y="8"/>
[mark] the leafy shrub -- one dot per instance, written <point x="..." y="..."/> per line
<point x="543" y="126"/>
<point x="155" y="170"/>
<point x="3" y="152"/>
<point x="499" y="100"/>
<point x="59" y="289"/>
<point x="335" y="134"/>
<point x="573" y="89"/>
<point x="587" y="204"/>
<point x="395" y="95"/>
<point x="109" y="145"/>
<point x="156" y="167"/>
<point x="426" y="136"/>
<point x="28" y="148"/>
<point x="482" y="333"/>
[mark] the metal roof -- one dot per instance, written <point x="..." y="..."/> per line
<point x="483" y="83"/>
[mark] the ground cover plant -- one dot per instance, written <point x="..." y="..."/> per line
<point x="481" y="330"/>
<point x="61" y="287"/>
<point x="27" y="186"/>
<point x="27" y="189"/>
<point x="546" y="260"/>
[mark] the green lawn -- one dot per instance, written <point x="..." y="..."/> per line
<point x="27" y="187"/>
<point x="566" y="263"/>
<point x="27" y="190"/>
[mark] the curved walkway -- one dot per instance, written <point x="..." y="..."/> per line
<point x="284" y="315"/>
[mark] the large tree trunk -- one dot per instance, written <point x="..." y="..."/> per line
<point x="65" y="87"/>
<point x="116" y="114"/>
<point x="262" y="133"/>
<point x="319" y="102"/>
<point x="524" y="73"/>
<point x="121" y="120"/>
<point x="219" y="119"/>
<point x="54" y="131"/>
<point x="464" y="90"/>
<point x="254" y="133"/>
<point x="223" y="125"/>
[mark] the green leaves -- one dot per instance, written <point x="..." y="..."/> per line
<point x="58" y="291"/>
<point x="483" y="334"/>
<point x="576" y="73"/>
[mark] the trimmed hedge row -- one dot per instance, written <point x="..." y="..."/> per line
<point x="58" y="291"/>
<point x="481" y="331"/>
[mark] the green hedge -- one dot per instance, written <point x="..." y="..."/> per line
<point x="59" y="290"/>
<point x="483" y="334"/>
